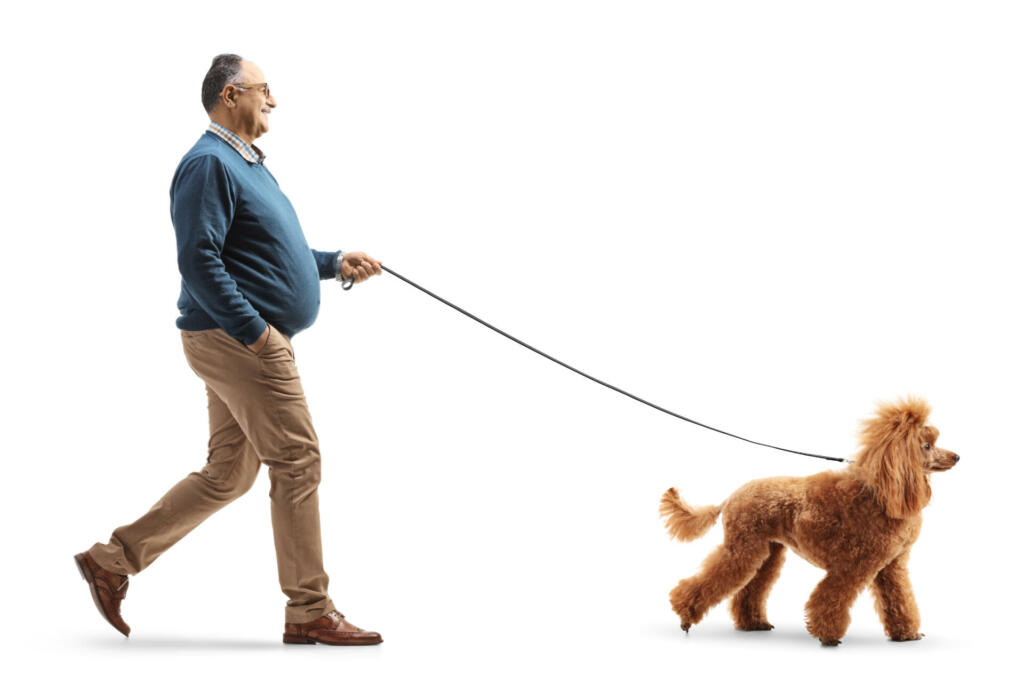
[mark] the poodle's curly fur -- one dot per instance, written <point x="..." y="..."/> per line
<point x="858" y="524"/>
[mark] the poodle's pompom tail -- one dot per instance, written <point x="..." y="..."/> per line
<point x="684" y="522"/>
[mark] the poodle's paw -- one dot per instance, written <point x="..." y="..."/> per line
<point x="828" y="637"/>
<point x="828" y="632"/>
<point x="681" y="601"/>
<point x="909" y="636"/>
<point x="754" y="626"/>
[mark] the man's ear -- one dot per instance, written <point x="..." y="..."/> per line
<point x="229" y="96"/>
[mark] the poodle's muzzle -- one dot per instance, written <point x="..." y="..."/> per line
<point x="940" y="460"/>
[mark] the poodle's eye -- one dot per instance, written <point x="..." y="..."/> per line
<point x="927" y="446"/>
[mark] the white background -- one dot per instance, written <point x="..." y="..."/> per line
<point x="764" y="215"/>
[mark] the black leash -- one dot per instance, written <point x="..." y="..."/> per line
<point x="594" y="379"/>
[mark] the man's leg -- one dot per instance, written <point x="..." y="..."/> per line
<point x="264" y="393"/>
<point x="230" y="471"/>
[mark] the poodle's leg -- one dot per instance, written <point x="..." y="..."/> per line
<point x="748" y="607"/>
<point x="828" y="609"/>
<point x="894" y="601"/>
<point x="727" y="568"/>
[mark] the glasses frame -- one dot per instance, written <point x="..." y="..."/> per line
<point x="265" y="87"/>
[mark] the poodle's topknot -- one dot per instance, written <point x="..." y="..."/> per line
<point x="893" y="418"/>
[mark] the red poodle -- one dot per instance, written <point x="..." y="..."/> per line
<point x="858" y="524"/>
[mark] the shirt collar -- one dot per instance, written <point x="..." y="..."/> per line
<point x="250" y="153"/>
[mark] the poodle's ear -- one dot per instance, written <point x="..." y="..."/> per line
<point x="890" y="459"/>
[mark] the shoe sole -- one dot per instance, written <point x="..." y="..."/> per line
<point x="303" y="640"/>
<point x="87" y="576"/>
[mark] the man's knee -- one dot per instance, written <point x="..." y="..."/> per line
<point x="299" y="473"/>
<point x="231" y="480"/>
<point x="244" y="477"/>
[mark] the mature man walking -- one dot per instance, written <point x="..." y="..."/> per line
<point x="249" y="283"/>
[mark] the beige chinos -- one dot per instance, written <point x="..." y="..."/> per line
<point x="258" y="414"/>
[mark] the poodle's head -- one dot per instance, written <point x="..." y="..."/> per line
<point x="897" y="454"/>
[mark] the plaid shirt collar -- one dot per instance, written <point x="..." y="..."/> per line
<point x="250" y="153"/>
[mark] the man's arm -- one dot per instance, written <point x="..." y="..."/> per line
<point x="327" y="263"/>
<point x="202" y="206"/>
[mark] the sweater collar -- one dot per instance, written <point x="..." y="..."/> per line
<point x="250" y="153"/>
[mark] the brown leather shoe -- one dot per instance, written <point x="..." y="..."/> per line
<point x="108" y="590"/>
<point x="330" y="629"/>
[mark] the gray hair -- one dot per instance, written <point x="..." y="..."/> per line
<point x="225" y="69"/>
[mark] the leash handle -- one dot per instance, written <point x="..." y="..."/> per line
<point x="600" y="381"/>
<point x="347" y="283"/>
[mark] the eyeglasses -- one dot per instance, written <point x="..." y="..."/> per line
<point x="262" y="87"/>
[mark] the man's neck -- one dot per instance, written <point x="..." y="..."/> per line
<point x="223" y="121"/>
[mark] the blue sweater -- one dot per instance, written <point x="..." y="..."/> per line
<point x="243" y="259"/>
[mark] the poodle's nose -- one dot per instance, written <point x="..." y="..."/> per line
<point x="956" y="458"/>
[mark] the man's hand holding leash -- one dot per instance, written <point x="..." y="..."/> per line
<point x="356" y="267"/>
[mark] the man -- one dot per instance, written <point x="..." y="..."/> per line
<point x="249" y="283"/>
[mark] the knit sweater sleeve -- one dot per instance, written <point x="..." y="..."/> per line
<point x="326" y="263"/>
<point x="202" y="206"/>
